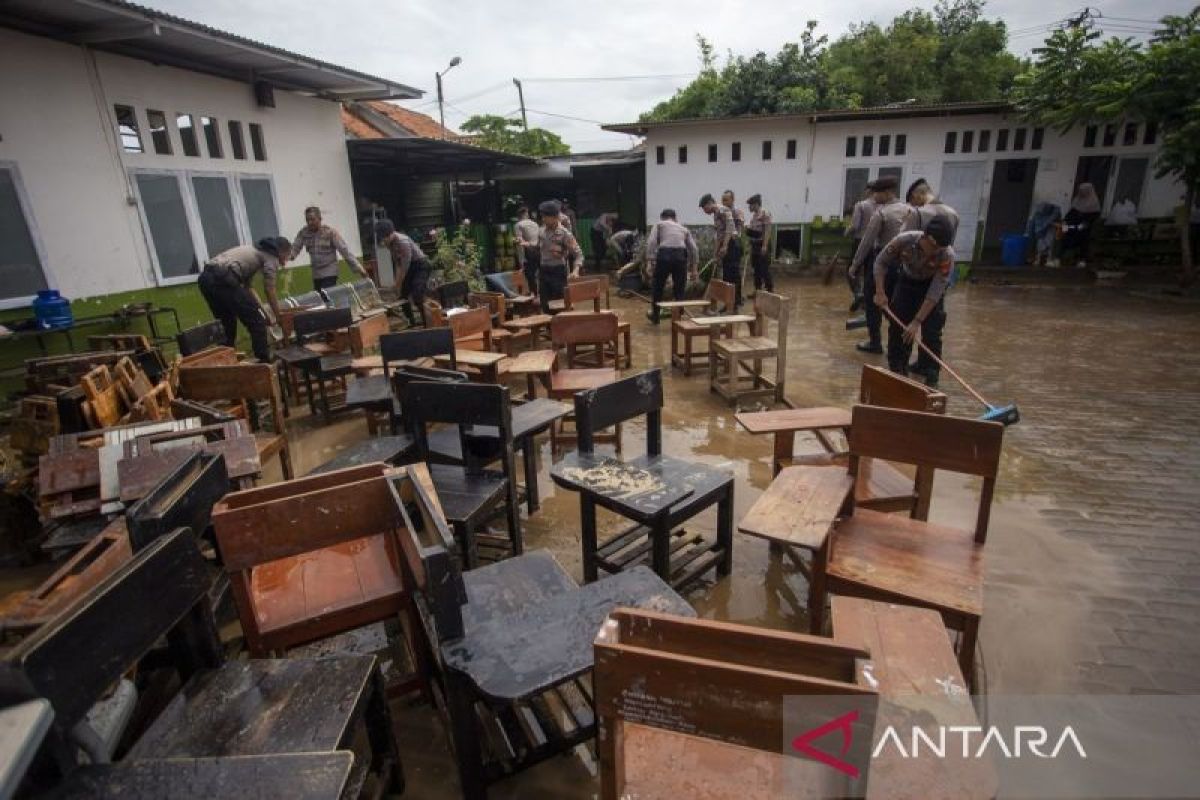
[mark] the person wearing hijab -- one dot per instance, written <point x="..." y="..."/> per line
<point x="1042" y="229"/>
<point x="225" y="284"/>
<point x="1077" y="224"/>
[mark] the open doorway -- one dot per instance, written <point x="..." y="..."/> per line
<point x="1094" y="170"/>
<point x="1008" y="203"/>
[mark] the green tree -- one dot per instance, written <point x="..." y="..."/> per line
<point x="1078" y="79"/>
<point x="509" y="135"/>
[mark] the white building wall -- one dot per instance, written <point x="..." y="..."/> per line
<point x="58" y="127"/>
<point x="812" y="185"/>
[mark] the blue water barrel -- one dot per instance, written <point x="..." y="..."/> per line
<point x="1013" y="247"/>
<point x="52" y="310"/>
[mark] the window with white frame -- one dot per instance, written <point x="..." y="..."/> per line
<point x="127" y="129"/>
<point x="21" y="271"/>
<point x="190" y="216"/>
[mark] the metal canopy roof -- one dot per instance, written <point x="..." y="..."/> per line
<point x="416" y="156"/>
<point x="138" y="32"/>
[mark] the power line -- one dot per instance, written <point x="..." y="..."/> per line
<point x="563" y="116"/>
<point x="610" y="78"/>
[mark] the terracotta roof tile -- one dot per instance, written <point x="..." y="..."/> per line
<point x="416" y="123"/>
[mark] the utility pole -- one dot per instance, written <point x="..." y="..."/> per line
<point x="521" y="95"/>
<point x="441" y="105"/>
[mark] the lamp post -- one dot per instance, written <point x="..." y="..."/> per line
<point x="454" y="62"/>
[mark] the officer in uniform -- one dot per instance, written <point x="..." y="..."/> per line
<point x="739" y="219"/>
<point x="758" y="230"/>
<point x="923" y="261"/>
<point x="225" y="285"/>
<point x="410" y="264"/>
<point x="324" y="245"/>
<point x="920" y="196"/>
<point x="864" y="209"/>
<point x="672" y="253"/>
<point x="729" y="248"/>
<point x="528" y="254"/>
<point x="560" y="255"/>
<point x="889" y="219"/>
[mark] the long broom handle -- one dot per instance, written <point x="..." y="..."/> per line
<point x="924" y="348"/>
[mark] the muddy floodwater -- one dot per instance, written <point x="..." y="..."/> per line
<point x="1093" y="555"/>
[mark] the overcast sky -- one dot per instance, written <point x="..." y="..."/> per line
<point x="409" y="41"/>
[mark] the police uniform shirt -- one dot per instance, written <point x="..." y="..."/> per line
<point x="904" y="251"/>
<point x="927" y="212"/>
<point x="724" y="224"/>
<point x="404" y="251"/>
<point x="887" y="222"/>
<point x="759" y="222"/>
<point x="557" y="245"/>
<point x="670" y="234"/>
<point x="324" y="245"/>
<point x="245" y="261"/>
<point x="739" y="220"/>
<point x="861" y="217"/>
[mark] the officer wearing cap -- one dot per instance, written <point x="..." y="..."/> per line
<point x="412" y="267"/>
<point x="923" y="261"/>
<point x="758" y="231"/>
<point x="729" y="248"/>
<point x="560" y="254"/>
<point x="672" y="253"/>
<point x="225" y="285"/>
<point x="889" y="219"/>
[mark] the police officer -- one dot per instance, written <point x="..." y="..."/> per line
<point x="324" y="245"/>
<point x="672" y="253"/>
<point x="927" y="206"/>
<point x="225" y="285"/>
<point x="529" y="256"/>
<point x="625" y="243"/>
<point x="560" y="255"/>
<point x="729" y="248"/>
<point x="923" y="260"/>
<point x="739" y="219"/>
<point x="888" y="220"/>
<point x="864" y="209"/>
<point x="410" y="264"/>
<point x="758" y="230"/>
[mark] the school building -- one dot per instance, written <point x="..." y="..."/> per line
<point x="981" y="158"/>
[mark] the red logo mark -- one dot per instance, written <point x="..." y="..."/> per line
<point x="803" y="743"/>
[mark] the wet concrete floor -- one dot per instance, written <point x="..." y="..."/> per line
<point x="1093" y="557"/>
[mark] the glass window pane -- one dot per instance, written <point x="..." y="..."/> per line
<point x="736" y="153"/>
<point x="712" y="152"/>
<point x="791" y="148"/>
<point x="260" y="208"/>
<point x="216" y="213"/>
<point x="1089" y="136"/>
<point x="885" y="144"/>
<point x="951" y="141"/>
<point x="162" y="205"/>
<point x="985" y="141"/>
<point x="1019" y="139"/>
<point x="127" y="129"/>
<point x="901" y="143"/>
<point x="856" y="185"/>
<point x="212" y="136"/>
<point x="1131" y="179"/>
<point x="683" y="154"/>
<point x="891" y="172"/>
<point x="20" y="268"/>
<point x="1110" y="135"/>
<point x="158" y="132"/>
<point x="256" y="142"/>
<point x="1130" y="135"/>
<point x="1001" y="140"/>
<point x="1151" y="134"/>
<point x="851" y="146"/>
<point x="766" y="151"/>
<point x="236" y="144"/>
<point x="660" y="154"/>
<point x="1039" y="135"/>
<point x="968" y="141"/>
<point x="868" y="146"/>
<point x="187" y="134"/>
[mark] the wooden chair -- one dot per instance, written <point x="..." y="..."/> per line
<point x="204" y="335"/>
<point x="469" y="493"/>
<point x="605" y="284"/>
<point x="223" y="713"/>
<point x="591" y="290"/>
<point x="875" y="555"/>
<point x="328" y="364"/>
<point x="570" y="331"/>
<point x="656" y="492"/>
<point x="511" y="641"/>
<point x="472" y="329"/>
<point x="720" y="691"/>
<point x="316" y="557"/>
<point x="245" y="384"/>
<point x="454" y="294"/>
<point x="727" y="357"/>
<point x="720" y="296"/>
<point x="514" y="287"/>
<point x="503" y="339"/>
<point x="183" y="499"/>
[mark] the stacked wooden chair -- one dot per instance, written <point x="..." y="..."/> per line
<point x="569" y="332"/>
<point x="720" y="296"/>
<point x="727" y="358"/>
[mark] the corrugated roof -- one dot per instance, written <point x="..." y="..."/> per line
<point x="832" y="115"/>
<point x="148" y="34"/>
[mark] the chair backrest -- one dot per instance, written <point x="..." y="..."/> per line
<point x="582" y="291"/>
<point x="435" y="316"/>
<point x="721" y="293"/>
<point x="340" y="295"/>
<point x="429" y="558"/>
<point x="414" y="344"/>
<point x="510" y="284"/>
<point x="367" y="293"/>
<point x="208" y="415"/>
<point x="326" y="320"/>
<point x="193" y="340"/>
<point x="474" y="322"/>
<point x="723" y="682"/>
<point x="608" y="405"/>
<point x="307" y="300"/>
<point x="882" y="387"/>
<point x="234" y="382"/>
<point x="583" y="327"/>
<point x="605" y="281"/>
<point x="492" y="301"/>
<point x="454" y="294"/>
<point x="465" y="405"/>
<point x="73" y="659"/>
<point x="183" y="499"/>
<point x="932" y="441"/>
<point x="771" y="306"/>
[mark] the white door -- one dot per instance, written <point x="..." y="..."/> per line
<point x="962" y="190"/>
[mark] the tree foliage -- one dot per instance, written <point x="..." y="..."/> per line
<point x="950" y="55"/>
<point x="509" y="135"/>
<point x="1078" y="79"/>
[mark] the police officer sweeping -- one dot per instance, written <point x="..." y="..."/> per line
<point x="324" y="245"/>
<point x="923" y="261"/>
<point x="758" y="230"/>
<point x="225" y="285"/>
<point x="729" y="249"/>
<point x="889" y="219"/>
<point x="560" y="254"/>
<point x="672" y="253"/>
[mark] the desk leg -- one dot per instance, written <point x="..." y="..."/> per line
<point x="587" y="528"/>
<point x="660" y="546"/>
<point x="308" y="390"/>
<point x="725" y="532"/>
<point x="529" y="455"/>
<point x="466" y="733"/>
<point x="628" y="337"/>
<point x="816" y="590"/>
<point x="785" y="442"/>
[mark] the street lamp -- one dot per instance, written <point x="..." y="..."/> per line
<point x="454" y="62"/>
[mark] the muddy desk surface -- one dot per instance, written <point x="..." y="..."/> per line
<point x="794" y="419"/>
<point x="388" y="449"/>
<point x="303" y="776"/>
<point x="528" y="643"/>
<point x="799" y="507"/>
<point x="647" y="488"/>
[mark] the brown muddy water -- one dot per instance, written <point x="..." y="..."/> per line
<point x="1093" y="554"/>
